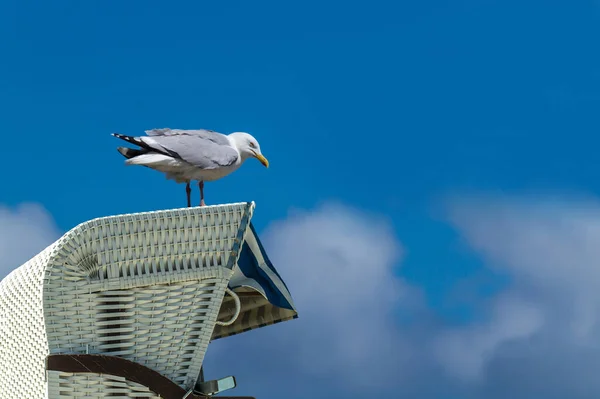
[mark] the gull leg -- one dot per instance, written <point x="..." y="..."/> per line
<point x="201" y="186"/>
<point x="188" y="191"/>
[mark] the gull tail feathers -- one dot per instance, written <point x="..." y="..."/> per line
<point x="130" y="152"/>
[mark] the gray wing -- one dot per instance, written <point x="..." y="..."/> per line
<point x="202" y="148"/>
<point x="204" y="133"/>
<point x="158" y="132"/>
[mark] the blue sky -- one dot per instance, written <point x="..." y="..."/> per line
<point x="403" y="111"/>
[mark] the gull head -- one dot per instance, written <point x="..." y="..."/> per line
<point x="248" y="147"/>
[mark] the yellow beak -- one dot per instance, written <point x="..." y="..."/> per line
<point x="262" y="160"/>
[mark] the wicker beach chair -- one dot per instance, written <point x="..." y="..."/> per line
<point x="125" y="306"/>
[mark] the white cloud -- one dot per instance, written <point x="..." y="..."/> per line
<point x="536" y="337"/>
<point x="465" y="352"/>
<point x="25" y="230"/>
<point x="543" y="330"/>
<point x="340" y="266"/>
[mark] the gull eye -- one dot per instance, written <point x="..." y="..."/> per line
<point x="252" y="145"/>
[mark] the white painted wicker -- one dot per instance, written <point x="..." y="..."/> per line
<point x="147" y="287"/>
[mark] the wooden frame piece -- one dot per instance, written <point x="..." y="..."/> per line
<point x="131" y="371"/>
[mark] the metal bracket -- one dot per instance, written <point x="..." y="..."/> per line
<point x="213" y="387"/>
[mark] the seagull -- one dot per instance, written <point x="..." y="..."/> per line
<point x="186" y="155"/>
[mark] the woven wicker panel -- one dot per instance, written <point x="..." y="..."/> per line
<point x="144" y="286"/>
<point x="150" y="243"/>
<point x="23" y="344"/>
<point x="164" y="327"/>
<point x="94" y="386"/>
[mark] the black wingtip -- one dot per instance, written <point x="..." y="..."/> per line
<point x="128" y="139"/>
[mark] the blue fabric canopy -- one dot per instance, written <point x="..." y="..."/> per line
<point x="254" y="273"/>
